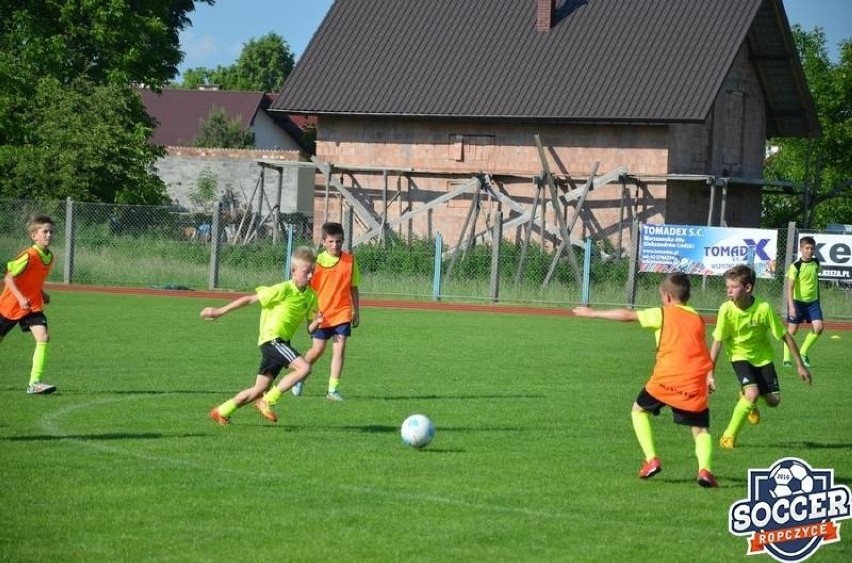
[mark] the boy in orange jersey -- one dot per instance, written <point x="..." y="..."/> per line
<point x="682" y="378"/>
<point x="335" y="281"/>
<point x="23" y="298"/>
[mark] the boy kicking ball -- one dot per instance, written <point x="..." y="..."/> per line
<point x="284" y="307"/>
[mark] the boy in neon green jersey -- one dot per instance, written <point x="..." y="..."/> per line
<point x="744" y="324"/>
<point x="283" y="308"/>
<point x="803" y="298"/>
<point x="23" y="298"/>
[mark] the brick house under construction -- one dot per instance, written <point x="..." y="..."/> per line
<point x="567" y="114"/>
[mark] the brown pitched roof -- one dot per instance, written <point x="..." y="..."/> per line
<point x="651" y="61"/>
<point x="180" y="113"/>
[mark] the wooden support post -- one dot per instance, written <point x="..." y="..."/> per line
<point x="564" y="232"/>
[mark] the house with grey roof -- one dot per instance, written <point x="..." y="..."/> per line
<point x="667" y="102"/>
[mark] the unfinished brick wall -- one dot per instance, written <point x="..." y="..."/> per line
<point x="442" y="154"/>
<point x="729" y="143"/>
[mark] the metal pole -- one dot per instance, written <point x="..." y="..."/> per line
<point x="288" y="258"/>
<point x="348" y="223"/>
<point x="631" y="272"/>
<point x="68" y="270"/>
<point x="213" y="280"/>
<point x="587" y="267"/>
<point x="436" y="272"/>
<point x="496" y="238"/>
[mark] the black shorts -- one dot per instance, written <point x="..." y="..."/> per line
<point x="679" y="416"/>
<point x="276" y="355"/>
<point x="33" y="319"/>
<point x="765" y="377"/>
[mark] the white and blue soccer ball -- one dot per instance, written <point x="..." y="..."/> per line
<point x="417" y="431"/>
<point x="790" y="478"/>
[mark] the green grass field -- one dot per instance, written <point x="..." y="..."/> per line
<point x="534" y="458"/>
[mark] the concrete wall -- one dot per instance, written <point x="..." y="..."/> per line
<point x="240" y="172"/>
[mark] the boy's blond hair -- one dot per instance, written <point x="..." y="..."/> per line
<point x="37" y="222"/>
<point x="303" y="255"/>
<point x="742" y="274"/>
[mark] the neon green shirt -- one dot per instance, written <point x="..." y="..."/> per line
<point x="284" y="307"/>
<point x="327" y="260"/>
<point x="806" y="276"/>
<point x="745" y="333"/>
<point x="19" y="264"/>
<point x="653" y="318"/>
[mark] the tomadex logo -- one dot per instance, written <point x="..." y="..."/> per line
<point x="791" y="510"/>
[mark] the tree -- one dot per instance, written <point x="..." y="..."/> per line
<point x="70" y="122"/>
<point x="84" y="141"/>
<point x="263" y="66"/>
<point x="222" y="76"/>
<point x="221" y="131"/>
<point x="821" y="167"/>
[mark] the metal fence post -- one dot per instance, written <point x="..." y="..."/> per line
<point x="213" y="280"/>
<point x="348" y="223"/>
<point x="587" y="271"/>
<point x="288" y="257"/>
<point x="496" y="238"/>
<point x="436" y="273"/>
<point x="68" y="270"/>
<point x="631" y="271"/>
<point x="792" y="242"/>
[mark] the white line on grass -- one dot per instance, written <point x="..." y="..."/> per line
<point x="51" y="425"/>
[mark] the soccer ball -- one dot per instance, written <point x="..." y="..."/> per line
<point x="417" y="431"/>
<point x="790" y="478"/>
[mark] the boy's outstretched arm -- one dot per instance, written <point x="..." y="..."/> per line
<point x="213" y="313"/>
<point x="623" y="315"/>
<point x="804" y="372"/>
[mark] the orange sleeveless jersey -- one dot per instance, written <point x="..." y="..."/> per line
<point x="683" y="361"/>
<point x="333" y="286"/>
<point x="31" y="283"/>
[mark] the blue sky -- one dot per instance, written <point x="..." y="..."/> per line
<point x="218" y="33"/>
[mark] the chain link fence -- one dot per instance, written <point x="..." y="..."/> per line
<point x="231" y="249"/>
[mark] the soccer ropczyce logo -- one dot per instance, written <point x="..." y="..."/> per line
<point x="791" y="510"/>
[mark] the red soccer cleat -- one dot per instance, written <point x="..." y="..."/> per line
<point x="650" y="468"/>
<point x="218" y="418"/>
<point x="706" y="479"/>
<point x="266" y="410"/>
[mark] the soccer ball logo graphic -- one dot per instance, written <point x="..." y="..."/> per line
<point x="790" y="478"/>
<point x="417" y="431"/>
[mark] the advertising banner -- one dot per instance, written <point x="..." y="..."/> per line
<point x="706" y="250"/>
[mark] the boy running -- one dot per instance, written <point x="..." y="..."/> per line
<point x="744" y="324"/>
<point x="336" y="279"/>
<point x="23" y="298"/>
